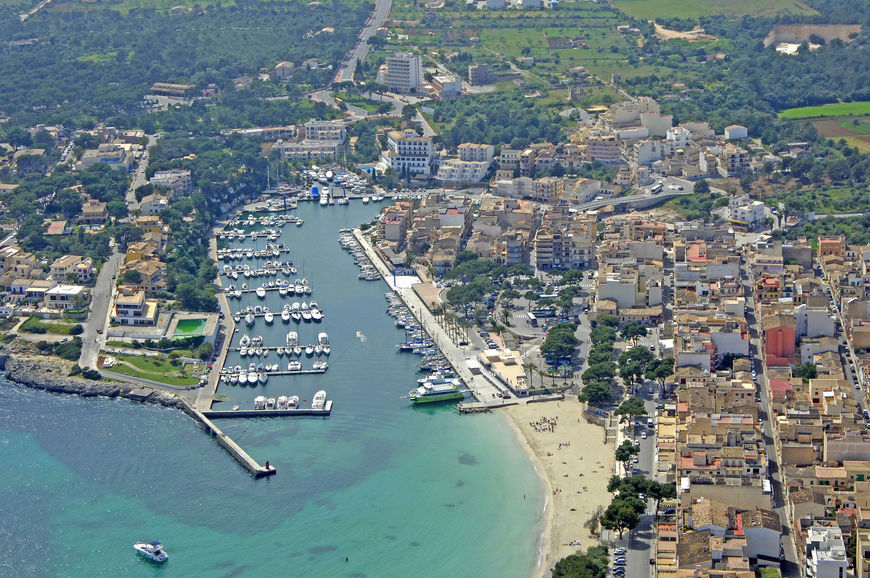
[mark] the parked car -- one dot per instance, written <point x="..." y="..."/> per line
<point x="619" y="551"/>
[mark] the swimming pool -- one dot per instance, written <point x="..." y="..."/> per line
<point x="189" y="328"/>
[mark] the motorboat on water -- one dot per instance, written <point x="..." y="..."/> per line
<point x="297" y="351"/>
<point x="292" y="401"/>
<point x="319" y="400"/>
<point x="320" y="365"/>
<point x="322" y="338"/>
<point x="294" y="366"/>
<point x="152" y="550"/>
<point x="292" y="339"/>
<point x="309" y="350"/>
<point x="245" y="340"/>
<point x="285" y="315"/>
<point x="249" y="319"/>
<point x="261" y="292"/>
<point x="269" y="317"/>
<point x="260" y="402"/>
<point x="361" y="336"/>
<point x="253" y="377"/>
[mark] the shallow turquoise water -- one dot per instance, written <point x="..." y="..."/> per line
<point x="400" y="491"/>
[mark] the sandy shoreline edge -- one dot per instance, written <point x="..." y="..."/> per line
<point x="546" y="526"/>
<point x="573" y="471"/>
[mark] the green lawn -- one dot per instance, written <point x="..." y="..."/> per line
<point x="839" y="109"/>
<point x="37" y="325"/>
<point x="158" y="369"/>
<point x="652" y="9"/>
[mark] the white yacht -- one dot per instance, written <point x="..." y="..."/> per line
<point x="292" y="339"/>
<point x="319" y="400"/>
<point x="249" y="319"/>
<point x="252" y="378"/>
<point x="292" y="401"/>
<point x="294" y="366"/>
<point x="323" y="338"/>
<point x="269" y="317"/>
<point x="309" y="350"/>
<point x="261" y="292"/>
<point x="297" y="351"/>
<point x="245" y="340"/>
<point x="285" y="314"/>
<point x="262" y="376"/>
<point x="260" y="402"/>
<point x="151" y="550"/>
<point x="365" y="200"/>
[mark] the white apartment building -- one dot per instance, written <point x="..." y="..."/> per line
<point x="825" y="553"/>
<point x="408" y="151"/>
<point x="459" y="171"/>
<point x="325" y="130"/>
<point x="476" y="152"/>
<point x="402" y="73"/>
<point x="750" y="213"/>
<point x="679" y="137"/>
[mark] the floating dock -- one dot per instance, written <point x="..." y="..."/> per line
<point x="295" y="412"/>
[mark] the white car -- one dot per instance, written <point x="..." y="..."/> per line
<point x="643" y="436"/>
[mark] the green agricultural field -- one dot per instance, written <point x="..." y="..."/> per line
<point x="652" y="9"/>
<point x="840" y="109"/>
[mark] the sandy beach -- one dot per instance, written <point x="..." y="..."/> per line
<point x="571" y="455"/>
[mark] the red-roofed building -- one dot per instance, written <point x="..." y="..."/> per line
<point x="780" y="389"/>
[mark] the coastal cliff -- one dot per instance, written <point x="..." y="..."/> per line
<point x="51" y="374"/>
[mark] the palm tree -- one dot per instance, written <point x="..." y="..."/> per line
<point x="532" y="369"/>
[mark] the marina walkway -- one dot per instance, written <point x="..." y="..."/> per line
<point x="481" y="388"/>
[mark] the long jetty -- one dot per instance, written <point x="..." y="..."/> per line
<point x="249" y="463"/>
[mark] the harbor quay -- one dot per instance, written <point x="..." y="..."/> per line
<point x="484" y="390"/>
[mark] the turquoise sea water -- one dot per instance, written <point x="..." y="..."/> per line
<point x="399" y="490"/>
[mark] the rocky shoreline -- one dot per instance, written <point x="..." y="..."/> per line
<point x="50" y="374"/>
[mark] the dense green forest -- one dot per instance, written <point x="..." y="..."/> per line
<point x="77" y="65"/>
<point x="501" y="118"/>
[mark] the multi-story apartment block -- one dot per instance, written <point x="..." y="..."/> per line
<point x="408" y="151"/>
<point x="403" y="73"/>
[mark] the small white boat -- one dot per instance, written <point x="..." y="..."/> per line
<point x="306" y="315"/>
<point x="243" y="377"/>
<point x="294" y="366"/>
<point x="361" y="336"/>
<point x="297" y="351"/>
<point x="260" y="402"/>
<point x="269" y="317"/>
<point x="262" y="376"/>
<point x="292" y="339"/>
<point x="271" y="403"/>
<point x="319" y="400"/>
<point x="325" y="349"/>
<point x="292" y="401"/>
<point x="249" y="319"/>
<point x="282" y="402"/>
<point x="252" y="378"/>
<point x="318" y="349"/>
<point x="316" y="315"/>
<point x="280" y="351"/>
<point x="285" y="316"/>
<point x="245" y="340"/>
<point x="365" y="200"/>
<point x="309" y="350"/>
<point x="261" y="292"/>
<point x="151" y="550"/>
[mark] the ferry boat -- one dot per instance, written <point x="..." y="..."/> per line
<point x="151" y="550"/>
<point x="319" y="400"/>
<point x="436" y="390"/>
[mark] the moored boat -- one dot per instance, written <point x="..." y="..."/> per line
<point x="319" y="400"/>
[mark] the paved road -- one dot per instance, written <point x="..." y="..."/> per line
<point x="139" y="178"/>
<point x="360" y="49"/>
<point x="790" y="566"/>
<point x="98" y="318"/>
